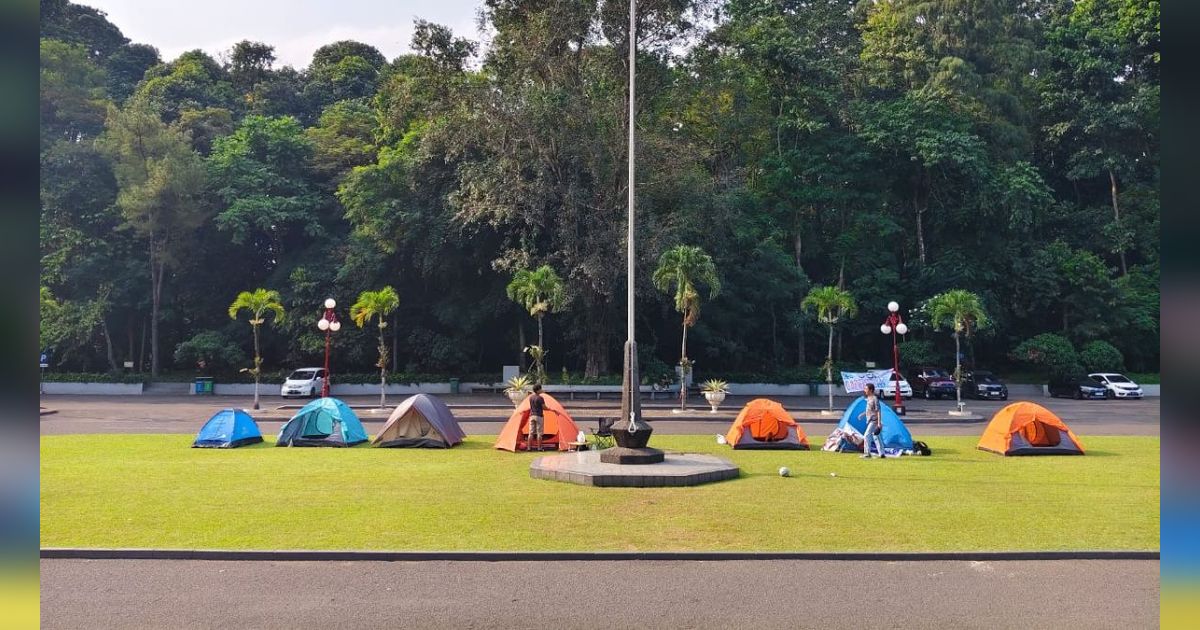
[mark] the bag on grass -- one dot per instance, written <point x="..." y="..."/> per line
<point x="922" y="448"/>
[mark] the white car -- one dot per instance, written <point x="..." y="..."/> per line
<point x="1118" y="385"/>
<point x="303" y="382"/>
<point x="888" y="391"/>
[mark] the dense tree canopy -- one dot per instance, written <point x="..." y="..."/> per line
<point x="895" y="150"/>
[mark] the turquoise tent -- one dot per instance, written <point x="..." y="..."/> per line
<point x="323" y="422"/>
<point x="228" y="428"/>
<point x="894" y="435"/>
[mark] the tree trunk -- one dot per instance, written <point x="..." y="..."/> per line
<point x="829" y="367"/>
<point x="520" y="344"/>
<point x="108" y="346"/>
<point x="596" y="339"/>
<point x="540" y="332"/>
<point x="129" y="333"/>
<point x="797" y="243"/>
<point x="1112" y="179"/>
<point x="257" y="361"/>
<point x="141" y="364"/>
<point x="382" y="366"/>
<point x="158" y="267"/>
<point x="684" y="371"/>
<point x="920" y="203"/>
<point x="957" y="370"/>
<point x="395" y="342"/>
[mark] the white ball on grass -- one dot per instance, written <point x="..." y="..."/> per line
<point x="832" y="474"/>
<point x="784" y="471"/>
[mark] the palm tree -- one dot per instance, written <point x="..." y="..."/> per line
<point x="680" y="269"/>
<point x="961" y="311"/>
<point x="260" y="302"/>
<point x="378" y="304"/>
<point x="832" y="304"/>
<point x="540" y="291"/>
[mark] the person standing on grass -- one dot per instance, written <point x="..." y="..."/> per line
<point x="537" y="409"/>
<point x="874" y="423"/>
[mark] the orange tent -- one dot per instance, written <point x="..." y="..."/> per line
<point x="558" y="429"/>
<point x="765" y="424"/>
<point x="1025" y="428"/>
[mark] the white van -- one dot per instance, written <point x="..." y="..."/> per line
<point x="303" y="382"/>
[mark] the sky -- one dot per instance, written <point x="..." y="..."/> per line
<point x="295" y="28"/>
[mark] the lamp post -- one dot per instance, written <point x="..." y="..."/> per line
<point x="328" y="324"/>
<point x="893" y="325"/>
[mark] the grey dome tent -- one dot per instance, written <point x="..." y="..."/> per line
<point x="420" y="421"/>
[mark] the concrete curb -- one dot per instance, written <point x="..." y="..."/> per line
<point x="68" y="553"/>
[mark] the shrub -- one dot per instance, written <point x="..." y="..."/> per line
<point x="217" y="350"/>
<point x="1052" y="353"/>
<point x="922" y="352"/>
<point x="1101" y="356"/>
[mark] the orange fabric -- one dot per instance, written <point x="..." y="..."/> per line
<point x="558" y="429"/>
<point x="766" y="420"/>
<point x="1037" y="424"/>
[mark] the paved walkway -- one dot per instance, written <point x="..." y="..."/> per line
<point x="99" y="594"/>
<point x="483" y="414"/>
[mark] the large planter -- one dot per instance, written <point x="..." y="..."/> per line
<point x="714" y="399"/>
<point x="516" y="396"/>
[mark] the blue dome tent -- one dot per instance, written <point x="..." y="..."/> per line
<point x="323" y="422"/>
<point x="894" y="435"/>
<point x="228" y="428"/>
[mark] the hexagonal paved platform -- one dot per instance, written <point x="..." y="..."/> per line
<point x="678" y="469"/>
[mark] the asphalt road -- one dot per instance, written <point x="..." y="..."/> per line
<point x="100" y="594"/>
<point x="482" y="415"/>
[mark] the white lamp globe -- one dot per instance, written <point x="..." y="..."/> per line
<point x="323" y="324"/>
<point x="902" y="328"/>
<point x="335" y="326"/>
<point x="885" y="329"/>
<point x="893" y="307"/>
<point x="329" y="303"/>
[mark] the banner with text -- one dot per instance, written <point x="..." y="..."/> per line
<point x="854" y="381"/>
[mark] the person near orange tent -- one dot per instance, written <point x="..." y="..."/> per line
<point x="537" y="409"/>
<point x="874" y="423"/>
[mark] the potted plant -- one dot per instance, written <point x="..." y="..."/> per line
<point x="715" y="392"/>
<point x="518" y="388"/>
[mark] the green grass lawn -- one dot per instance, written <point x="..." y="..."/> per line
<point x="155" y="491"/>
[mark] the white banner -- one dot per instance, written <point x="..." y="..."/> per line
<point x="854" y="381"/>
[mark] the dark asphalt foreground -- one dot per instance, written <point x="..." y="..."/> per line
<point x="185" y="414"/>
<point x="98" y="594"/>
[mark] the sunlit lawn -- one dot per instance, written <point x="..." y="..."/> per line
<point x="155" y="491"/>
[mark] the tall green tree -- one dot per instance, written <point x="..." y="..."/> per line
<point x="160" y="181"/>
<point x="377" y="304"/>
<point x="832" y="305"/>
<point x="539" y="291"/>
<point x="260" y="303"/>
<point x="962" y="312"/>
<point x="681" y="269"/>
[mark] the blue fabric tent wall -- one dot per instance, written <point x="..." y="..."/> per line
<point x="228" y="428"/>
<point x="323" y="422"/>
<point x="894" y="434"/>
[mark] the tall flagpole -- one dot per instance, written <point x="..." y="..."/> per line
<point x="631" y="407"/>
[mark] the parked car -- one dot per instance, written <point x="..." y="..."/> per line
<point x="1077" y="387"/>
<point x="932" y="382"/>
<point x="303" y="382"/>
<point x="983" y="385"/>
<point x="888" y="391"/>
<point x="1118" y="385"/>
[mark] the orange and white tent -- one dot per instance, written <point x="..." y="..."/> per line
<point x="558" y="429"/>
<point x="766" y="424"/>
<point x="1025" y="428"/>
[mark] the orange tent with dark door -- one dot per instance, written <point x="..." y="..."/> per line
<point x="765" y="424"/>
<point x="558" y="429"/>
<point x="1026" y="428"/>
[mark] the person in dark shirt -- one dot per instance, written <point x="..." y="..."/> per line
<point x="537" y="410"/>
